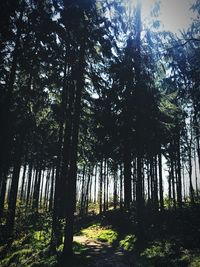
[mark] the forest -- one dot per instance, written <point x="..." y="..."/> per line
<point x="99" y="135"/>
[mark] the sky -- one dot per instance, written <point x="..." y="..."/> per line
<point x="175" y="15"/>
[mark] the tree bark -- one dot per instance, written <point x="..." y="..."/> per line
<point x="71" y="185"/>
<point x="14" y="186"/>
<point x="160" y="182"/>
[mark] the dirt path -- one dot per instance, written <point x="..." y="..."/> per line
<point x="103" y="255"/>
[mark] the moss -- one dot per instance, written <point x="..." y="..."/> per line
<point x="99" y="233"/>
<point x="195" y="262"/>
<point x="16" y="258"/>
<point x="128" y="242"/>
<point x="21" y="241"/>
<point x="44" y="262"/>
<point x="167" y="254"/>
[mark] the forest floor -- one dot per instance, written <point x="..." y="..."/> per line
<point x="109" y="240"/>
<point x="102" y="254"/>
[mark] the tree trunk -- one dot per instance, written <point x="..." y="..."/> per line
<point x="127" y="177"/>
<point x="95" y="184"/>
<point x="52" y="189"/>
<point x="104" y="186"/>
<point x="139" y="200"/>
<point x="6" y="127"/>
<point x="173" y="181"/>
<point x="179" y="182"/>
<point x="160" y="182"/>
<point x="14" y="186"/>
<point x="83" y="190"/>
<point x="121" y="186"/>
<point x="115" y="190"/>
<point x="3" y="195"/>
<point x="190" y="179"/>
<point x="156" y="184"/>
<point x="29" y="182"/>
<point x="71" y="185"/>
<point x="36" y="192"/>
<point x="107" y="187"/>
<point x="56" y="238"/>
<point x="100" y="187"/>
<point x="23" y="182"/>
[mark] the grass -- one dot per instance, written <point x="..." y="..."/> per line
<point x="99" y="233"/>
<point x="171" y="240"/>
<point x="167" y="254"/>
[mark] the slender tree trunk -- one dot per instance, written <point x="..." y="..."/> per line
<point x="196" y="126"/>
<point x="104" y="185"/>
<point x="151" y="181"/>
<point x="6" y="127"/>
<point x="95" y="184"/>
<point x="52" y="189"/>
<point x="46" y="191"/>
<point x="115" y="190"/>
<point x="65" y="167"/>
<point x="87" y="193"/>
<point x="170" y="188"/>
<point x="156" y="184"/>
<point x="55" y="234"/>
<point x="139" y="199"/>
<point x="148" y="182"/>
<point x="173" y="181"/>
<point x="121" y="186"/>
<point x="127" y="177"/>
<point x="3" y="195"/>
<point x="23" y="182"/>
<point x="179" y="182"/>
<point x="160" y="182"/>
<point x="195" y="170"/>
<point x="14" y="186"/>
<point x="35" y="174"/>
<point x="107" y="187"/>
<point x="56" y="237"/>
<point x="36" y="193"/>
<point x="83" y="190"/>
<point x="29" y="182"/>
<point x="100" y="187"/>
<point x="71" y="186"/>
<point x="190" y="179"/>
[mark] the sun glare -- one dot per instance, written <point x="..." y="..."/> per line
<point x="175" y="15"/>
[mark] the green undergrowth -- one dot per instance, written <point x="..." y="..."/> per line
<point x="128" y="242"/>
<point x="78" y="248"/>
<point x="32" y="250"/>
<point x="106" y="234"/>
<point x="99" y="233"/>
<point x="172" y="240"/>
<point x="30" y="247"/>
<point x="167" y="253"/>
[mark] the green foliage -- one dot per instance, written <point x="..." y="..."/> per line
<point x="157" y="250"/>
<point x="100" y="233"/>
<point x="128" y="242"/>
<point x="30" y="249"/>
<point x="195" y="262"/>
<point x="167" y="253"/>
<point x="18" y="257"/>
<point x="31" y="254"/>
<point x="42" y="237"/>
<point x="78" y="248"/>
